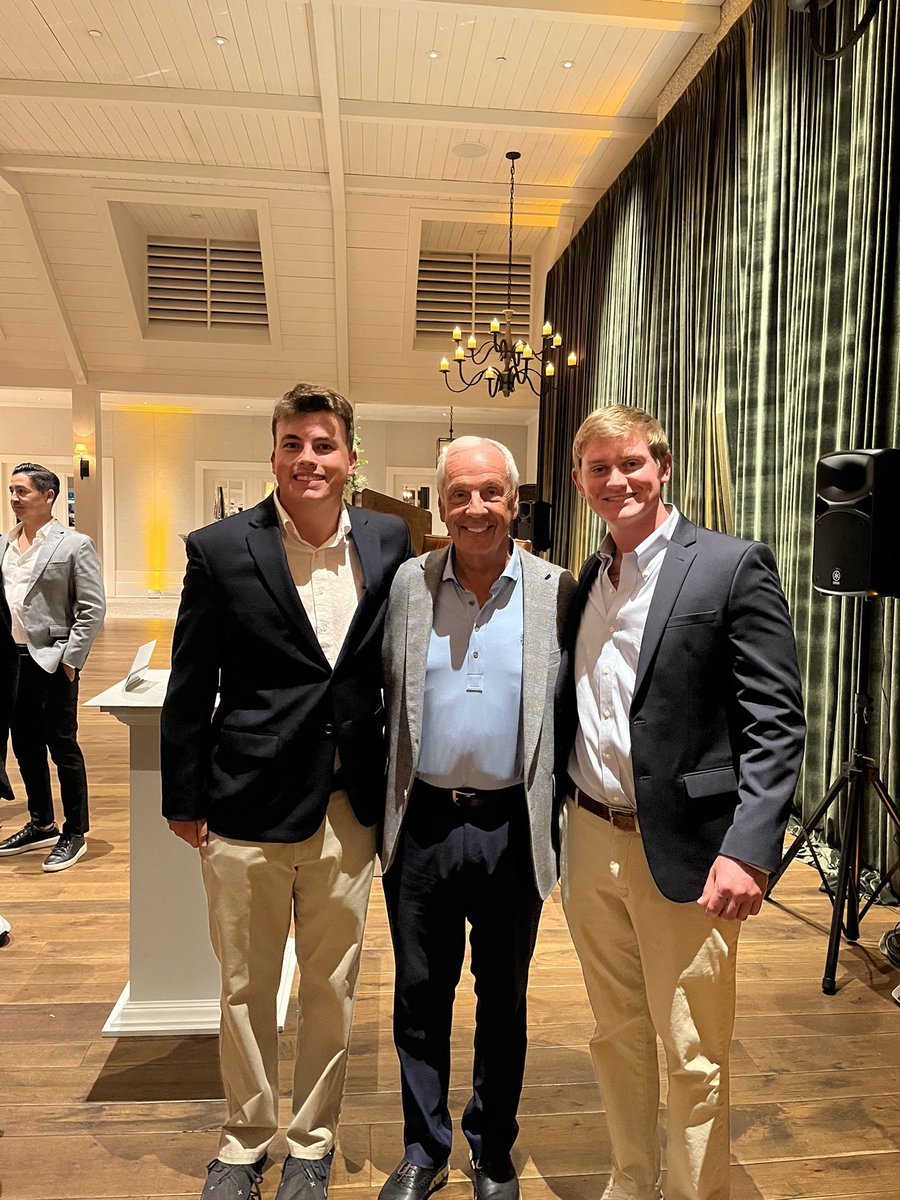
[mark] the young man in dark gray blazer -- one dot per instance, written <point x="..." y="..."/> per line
<point x="281" y="784"/>
<point x="53" y="586"/>
<point x="686" y="734"/>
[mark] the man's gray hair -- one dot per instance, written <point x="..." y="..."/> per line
<point x="469" y="443"/>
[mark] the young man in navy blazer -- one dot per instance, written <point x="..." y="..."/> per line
<point x="280" y="786"/>
<point x="686" y="738"/>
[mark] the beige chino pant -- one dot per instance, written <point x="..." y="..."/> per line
<point x="652" y="968"/>
<point x="253" y="889"/>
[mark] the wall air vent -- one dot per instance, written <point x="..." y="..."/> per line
<point x="200" y="282"/>
<point x="468" y="289"/>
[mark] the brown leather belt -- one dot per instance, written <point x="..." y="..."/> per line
<point x="616" y="818"/>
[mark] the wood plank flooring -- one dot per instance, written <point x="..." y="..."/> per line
<point x="816" y="1082"/>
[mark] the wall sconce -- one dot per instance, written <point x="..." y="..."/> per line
<point x="84" y="463"/>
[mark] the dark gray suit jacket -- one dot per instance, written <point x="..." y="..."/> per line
<point x="717" y="727"/>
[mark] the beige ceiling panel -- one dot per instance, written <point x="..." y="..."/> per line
<point x="189" y="220"/>
<point x="482" y="238"/>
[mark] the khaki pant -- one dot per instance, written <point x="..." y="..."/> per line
<point x="253" y="889"/>
<point x="652" y="968"/>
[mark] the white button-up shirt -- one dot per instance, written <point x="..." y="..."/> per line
<point x="607" y="650"/>
<point x="328" y="579"/>
<point x="18" y="567"/>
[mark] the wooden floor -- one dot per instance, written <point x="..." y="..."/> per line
<point x="816" y="1078"/>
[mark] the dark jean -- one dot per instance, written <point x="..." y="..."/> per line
<point x="455" y="865"/>
<point x="45" y="717"/>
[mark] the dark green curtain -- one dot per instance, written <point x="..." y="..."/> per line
<point x="740" y="281"/>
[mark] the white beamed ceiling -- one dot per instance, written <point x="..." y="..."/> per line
<point x="322" y="127"/>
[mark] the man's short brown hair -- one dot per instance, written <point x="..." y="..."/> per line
<point x="311" y="398"/>
<point x="617" y="421"/>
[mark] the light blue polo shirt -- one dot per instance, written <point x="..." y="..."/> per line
<point x="472" y="712"/>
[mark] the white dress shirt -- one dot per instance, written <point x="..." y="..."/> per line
<point x="607" y="650"/>
<point x="328" y="579"/>
<point x="18" y="567"/>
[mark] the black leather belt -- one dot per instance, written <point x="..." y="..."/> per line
<point x="468" y="797"/>
<point x="616" y="817"/>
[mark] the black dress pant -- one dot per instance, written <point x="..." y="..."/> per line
<point x="455" y="865"/>
<point x="45" y="717"/>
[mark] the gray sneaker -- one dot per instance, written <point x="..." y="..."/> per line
<point x="67" y="851"/>
<point x="29" y="837"/>
<point x="233" y="1181"/>
<point x="890" y="945"/>
<point x="305" y="1178"/>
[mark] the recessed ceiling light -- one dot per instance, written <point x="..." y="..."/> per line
<point x="568" y="64"/>
<point x="469" y="150"/>
<point x="434" y="54"/>
<point x="95" y="33"/>
<point x="219" y="40"/>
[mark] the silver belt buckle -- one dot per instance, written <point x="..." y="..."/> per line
<point x="462" y="797"/>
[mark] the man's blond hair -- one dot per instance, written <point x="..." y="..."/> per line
<point x="618" y="421"/>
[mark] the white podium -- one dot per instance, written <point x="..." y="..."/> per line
<point x="173" y="976"/>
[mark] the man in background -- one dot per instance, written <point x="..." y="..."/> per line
<point x="686" y="732"/>
<point x="281" y="785"/>
<point x="472" y="653"/>
<point x="53" y="587"/>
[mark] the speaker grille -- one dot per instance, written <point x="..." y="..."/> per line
<point x="842" y="553"/>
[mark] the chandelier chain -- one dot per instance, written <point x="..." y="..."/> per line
<point x="512" y="192"/>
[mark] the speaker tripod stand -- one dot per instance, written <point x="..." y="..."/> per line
<point x="856" y="775"/>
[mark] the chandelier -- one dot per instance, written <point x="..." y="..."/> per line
<point x="502" y="361"/>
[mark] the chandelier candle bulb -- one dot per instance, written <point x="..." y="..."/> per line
<point x="457" y="334"/>
<point x="572" y="360"/>
<point x="527" y="351"/>
<point x="490" y="373"/>
<point x="557" y="339"/>
<point x="547" y="330"/>
<point x="495" y="325"/>
<point x="549" y="369"/>
<point x="519" y="347"/>
<point x="459" y="354"/>
<point x="471" y="343"/>
<point x="445" y="366"/>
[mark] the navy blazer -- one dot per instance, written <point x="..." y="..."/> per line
<point x="717" y="727"/>
<point x="260" y="765"/>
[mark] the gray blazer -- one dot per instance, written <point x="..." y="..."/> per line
<point x="65" y="602"/>
<point x="547" y="593"/>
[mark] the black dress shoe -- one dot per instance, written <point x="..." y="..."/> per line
<point x="496" y="1180"/>
<point x="408" y="1181"/>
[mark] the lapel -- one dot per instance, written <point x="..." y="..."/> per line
<point x="421" y="596"/>
<point x="54" y="535"/>
<point x="266" y="547"/>
<point x="539" y="623"/>
<point x="677" y="561"/>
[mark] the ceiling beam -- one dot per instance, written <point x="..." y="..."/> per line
<point x="349" y="110"/>
<point x="325" y="45"/>
<point x="634" y="14"/>
<point x="24" y="215"/>
<point x="170" y="97"/>
<point x="495" y="118"/>
<point x="244" y="176"/>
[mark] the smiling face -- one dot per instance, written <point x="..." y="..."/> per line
<point x="311" y="464"/>
<point x="477" y="504"/>
<point x="622" y="483"/>
<point x="30" y="506"/>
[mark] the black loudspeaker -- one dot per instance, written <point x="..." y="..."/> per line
<point x="855" y="536"/>
<point x="533" y="521"/>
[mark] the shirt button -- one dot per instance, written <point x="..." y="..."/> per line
<point x="606" y="670"/>
<point x="606" y="712"/>
<point x="471" y="604"/>
<point x="606" y="756"/>
<point x="612" y="629"/>
<point x="475" y="654"/>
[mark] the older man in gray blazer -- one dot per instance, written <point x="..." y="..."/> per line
<point x="54" y="589"/>
<point x="472" y="652"/>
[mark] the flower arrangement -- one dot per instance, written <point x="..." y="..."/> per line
<point x="356" y="481"/>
